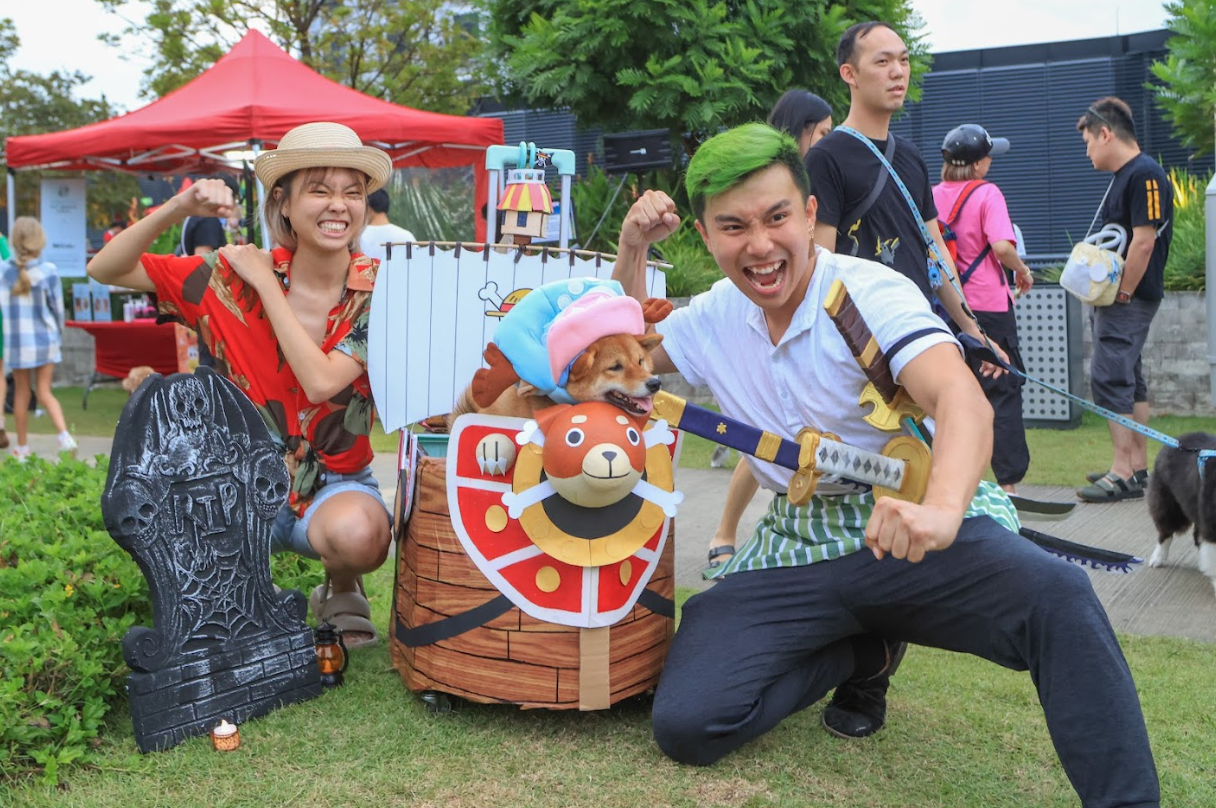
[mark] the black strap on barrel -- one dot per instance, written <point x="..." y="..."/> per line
<point x="663" y="607"/>
<point x="458" y="624"/>
<point x="453" y="626"/>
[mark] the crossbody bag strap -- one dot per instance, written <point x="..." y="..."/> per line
<point x="937" y="263"/>
<point x="1098" y="212"/>
<point x="934" y="276"/>
<point x="880" y="182"/>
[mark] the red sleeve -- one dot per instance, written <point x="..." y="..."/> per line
<point x="180" y="282"/>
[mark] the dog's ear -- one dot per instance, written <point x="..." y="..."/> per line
<point x="650" y="341"/>
<point x="546" y="417"/>
<point x="656" y="309"/>
<point x="583" y="364"/>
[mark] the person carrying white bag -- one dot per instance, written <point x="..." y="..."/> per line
<point x="1139" y="201"/>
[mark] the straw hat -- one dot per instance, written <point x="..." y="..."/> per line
<point x="323" y="145"/>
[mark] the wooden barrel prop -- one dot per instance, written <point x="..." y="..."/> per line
<point x="510" y="657"/>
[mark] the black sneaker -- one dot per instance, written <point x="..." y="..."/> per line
<point x="859" y="705"/>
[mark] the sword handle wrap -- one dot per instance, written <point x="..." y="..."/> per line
<point x="725" y="431"/>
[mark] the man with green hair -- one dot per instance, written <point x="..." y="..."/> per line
<point x="800" y="610"/>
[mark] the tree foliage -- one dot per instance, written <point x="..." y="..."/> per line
<point x="32" y="104"/>
<point x="1188" y="73"/>
<point x="419" y="53"/>
<point x="692" y="66"/>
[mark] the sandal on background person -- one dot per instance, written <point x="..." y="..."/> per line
<point x="1110" y="487"/>
<point x="717" y="557"/>
<point x="1140" y="476"/>
<point x="349" y="612"/>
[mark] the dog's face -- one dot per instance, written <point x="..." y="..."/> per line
<point x="617" y="369"/>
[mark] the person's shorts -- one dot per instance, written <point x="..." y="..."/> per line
<point x="289" y="534"/>
<point x="1115" y="373"/>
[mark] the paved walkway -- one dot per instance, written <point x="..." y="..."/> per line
<point x="1176" y="600"/>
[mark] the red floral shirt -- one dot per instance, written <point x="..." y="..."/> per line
<point x="204" y="293"/>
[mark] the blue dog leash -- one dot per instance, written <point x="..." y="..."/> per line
<point x="983" y="352"/>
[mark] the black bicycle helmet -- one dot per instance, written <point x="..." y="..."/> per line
<point x="969" y="144"/>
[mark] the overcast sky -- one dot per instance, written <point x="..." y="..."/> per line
<point x="61" y="34"/>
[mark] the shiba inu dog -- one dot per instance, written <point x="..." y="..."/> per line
<point x="616" y="369"/>
<point x="1180" y="497"/>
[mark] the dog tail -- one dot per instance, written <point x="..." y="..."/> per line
<point x="464" y="404"/>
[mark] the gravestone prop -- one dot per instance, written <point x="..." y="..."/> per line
<point x="195" y="482"/>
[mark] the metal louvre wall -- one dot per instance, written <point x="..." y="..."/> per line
<point x="1033" y="95"/>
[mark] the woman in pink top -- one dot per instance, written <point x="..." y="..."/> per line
<point x="976" y="212"/>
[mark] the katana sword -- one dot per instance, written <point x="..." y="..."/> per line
<point x="900" y="471"/>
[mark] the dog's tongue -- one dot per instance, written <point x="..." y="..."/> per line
<point x="644" y="404"/>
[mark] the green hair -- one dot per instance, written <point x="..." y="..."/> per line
<point x="727" y="159"/>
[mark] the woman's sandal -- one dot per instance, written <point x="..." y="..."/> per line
<point x="1111" y="488"/>
<point x="349" y="612"/>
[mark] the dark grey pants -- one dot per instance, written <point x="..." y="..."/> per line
<point x="759" y="646"/>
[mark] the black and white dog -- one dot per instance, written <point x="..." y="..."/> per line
<point x="1179" y="497"/>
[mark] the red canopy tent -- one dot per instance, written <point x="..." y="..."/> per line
<point x="249" y="99"/>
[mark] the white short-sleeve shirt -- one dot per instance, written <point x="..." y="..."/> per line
<point x="810" y="378"/>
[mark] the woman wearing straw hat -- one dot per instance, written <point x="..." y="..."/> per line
<point x="309" y="306"/>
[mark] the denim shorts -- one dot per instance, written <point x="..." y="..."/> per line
<point x="290" y="535"/>
<point x="1116" y="374"/>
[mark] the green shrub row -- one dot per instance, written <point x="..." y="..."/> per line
<point x="68" y="594"/>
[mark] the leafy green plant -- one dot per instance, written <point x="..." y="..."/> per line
<point x="1186" y="268"/>
<point x="596" y="201"/>
<point x="434" y="205"/>
<point x="693" y="270"/>
<point x="68" y="594"/>
<point x="689" y="67"/>
<point x="1186" y="91"/>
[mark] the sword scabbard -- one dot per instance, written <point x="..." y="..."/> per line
<point x="891" y="404"/>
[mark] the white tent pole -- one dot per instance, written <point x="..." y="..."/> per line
<point x="261" y="196"/>
<point x="12" y="200"/>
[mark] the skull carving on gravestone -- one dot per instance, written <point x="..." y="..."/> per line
<point x="270" y="482"/>
<point x="138" y="511"/>
<point x="189" y="404"/>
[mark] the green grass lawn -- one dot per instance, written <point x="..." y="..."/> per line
<point x="961" y="732"/>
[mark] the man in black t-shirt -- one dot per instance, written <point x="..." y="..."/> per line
<point x="862" y="212"/>
<point x="1140" y="200"/>
<point x="202" y="234"/>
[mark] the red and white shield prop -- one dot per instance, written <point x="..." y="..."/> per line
<point x="622" y="543"/>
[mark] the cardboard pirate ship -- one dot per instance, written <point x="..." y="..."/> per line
<point x="507" y="590"/>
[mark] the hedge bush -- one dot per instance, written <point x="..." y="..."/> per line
<point x="68" y="594"/>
